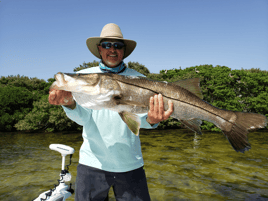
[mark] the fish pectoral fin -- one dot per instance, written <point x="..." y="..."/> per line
<point x="193" y="124"/>
<point x="132" y="120"/>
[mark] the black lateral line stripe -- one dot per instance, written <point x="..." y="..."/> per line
<point x="174" y="98"/>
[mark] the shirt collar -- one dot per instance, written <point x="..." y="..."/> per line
<point x="119" y="69"/>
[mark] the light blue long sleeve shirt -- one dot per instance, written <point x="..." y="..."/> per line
<point x="108" y="144"/>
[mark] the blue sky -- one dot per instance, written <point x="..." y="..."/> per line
<point x="39" y="38"/>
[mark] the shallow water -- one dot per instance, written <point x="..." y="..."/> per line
<point x="178" y="165"/>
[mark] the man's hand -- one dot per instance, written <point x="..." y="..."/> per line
<point x="60" y="97"/>
<point x="157" y="112"/>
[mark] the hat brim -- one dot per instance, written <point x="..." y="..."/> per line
<point x="94" y="41"/>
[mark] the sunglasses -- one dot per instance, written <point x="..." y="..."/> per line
<point x="108" y="45"/>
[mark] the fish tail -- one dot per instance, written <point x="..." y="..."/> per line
<point x="244" y="122"/>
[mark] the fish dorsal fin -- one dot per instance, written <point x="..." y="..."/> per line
<point x="192" y="85"/>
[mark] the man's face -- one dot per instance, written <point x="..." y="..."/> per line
<point x="111" y="57"/>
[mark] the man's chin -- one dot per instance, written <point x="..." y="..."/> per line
<point x="113" y="64"/>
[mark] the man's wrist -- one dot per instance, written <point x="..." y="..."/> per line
<point x="73" y="106"/>
<point x="147" y="119"/>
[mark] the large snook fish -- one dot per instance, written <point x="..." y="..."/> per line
<point x="130" y="95"/>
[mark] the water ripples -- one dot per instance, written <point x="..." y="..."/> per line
<point x="179" y="165"/>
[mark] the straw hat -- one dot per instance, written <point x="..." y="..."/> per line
<point x="110" y="31"/>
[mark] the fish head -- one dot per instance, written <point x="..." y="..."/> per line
<point x="94" y="91"/>
<point x="79" y="83"/>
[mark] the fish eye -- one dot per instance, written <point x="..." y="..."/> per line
<point x="117" y="97"/>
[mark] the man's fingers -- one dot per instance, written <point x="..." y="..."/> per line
<point x="156" y="102"/>
<point x="52" y="96"/>
<point x="66" y="98"/>
<point x="152" y="104"/>
<point x="59" y="97"/>
<point x="161" y="103"/>
<point x="161" y="106"/>
<point x="170" y="109"/>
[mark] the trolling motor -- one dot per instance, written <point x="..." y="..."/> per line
<point x="61" y="191"/>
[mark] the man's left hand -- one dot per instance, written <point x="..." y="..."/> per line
<point x="157" y="112"/>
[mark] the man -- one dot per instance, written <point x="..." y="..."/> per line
<point x="110" y="154"/>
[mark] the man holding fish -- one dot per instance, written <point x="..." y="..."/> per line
<point x="113" y="102"/>
<point x="110" y="154"/>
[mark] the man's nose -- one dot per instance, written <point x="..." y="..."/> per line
<point x="112" y="49"/>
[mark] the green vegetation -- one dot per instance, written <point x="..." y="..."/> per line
<point x="24" y="101"/>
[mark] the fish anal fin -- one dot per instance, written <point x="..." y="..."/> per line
<point x="193" y="124"/>
<point x="132" y="120"/>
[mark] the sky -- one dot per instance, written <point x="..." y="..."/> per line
<point x="39" y="38"/>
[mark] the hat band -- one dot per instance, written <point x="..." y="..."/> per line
<point x="111" y="37"/>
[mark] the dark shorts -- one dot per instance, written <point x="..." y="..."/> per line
<point x="93" y="185"/>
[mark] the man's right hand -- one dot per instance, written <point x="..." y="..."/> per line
<point x="60" y="97"/>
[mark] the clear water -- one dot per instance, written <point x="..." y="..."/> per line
<point x="178" y="165"/>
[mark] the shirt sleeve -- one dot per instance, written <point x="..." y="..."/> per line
<point x="79" y="114"/>
<point x="144" y="123"/>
